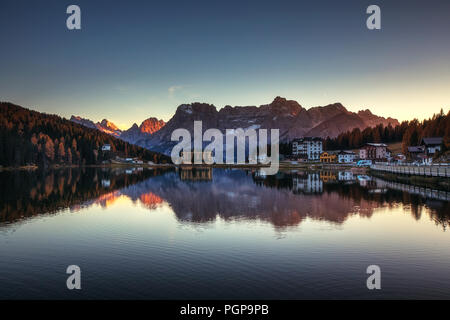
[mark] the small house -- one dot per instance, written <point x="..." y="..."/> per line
<point x="432" y="145"/>
<point x="416" y="152"/>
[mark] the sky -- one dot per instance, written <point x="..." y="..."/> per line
<point x="137" y="59"/>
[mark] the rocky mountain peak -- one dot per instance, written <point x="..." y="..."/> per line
<point x="279" y="100"/>
<point x="151" y="125"/>
<point x="84" y="122"/>
<point x="109" y="125"/>
<point x="281" y="105"/>
<point x="365" y="112"/>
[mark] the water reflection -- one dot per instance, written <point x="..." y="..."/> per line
<point x="24" y="194"/>
<point x="201" y="194"/>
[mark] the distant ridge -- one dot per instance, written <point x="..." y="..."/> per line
<point x="287" y="115"/>
<point x="147" y="127"/>
<point x="131" y="135"/>
<point x="104" y="126"/>
<point x="31" y="138"/>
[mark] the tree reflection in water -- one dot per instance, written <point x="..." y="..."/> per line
<point x="201" y="194"/>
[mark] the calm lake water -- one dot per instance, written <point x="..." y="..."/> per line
<point x="212" y="234"/>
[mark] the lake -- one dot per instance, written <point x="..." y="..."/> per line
<point x="219" y="234"/>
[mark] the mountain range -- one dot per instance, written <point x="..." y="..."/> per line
<point x="288" y="116"/>
<point x="133" y="134"/>
<point x="32" y="138"/>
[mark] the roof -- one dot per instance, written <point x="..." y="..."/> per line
<point x="376" y="144"/>
<point x="432" y="141"/>
<point x="349" y="152"/>
<point x="416" y="149"/>
<point x="307" y="139"/>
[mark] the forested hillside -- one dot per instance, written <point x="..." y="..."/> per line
<point x="410" y="133"/>
<point x="32" y="138"/>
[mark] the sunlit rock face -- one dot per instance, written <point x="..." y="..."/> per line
<point x="104" y="125"/>
<point x="151" y="125"/>
<point x="137" y="133"/>
<point x="132" y="135"/>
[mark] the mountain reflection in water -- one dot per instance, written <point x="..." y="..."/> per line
<point x="201" y="195"/>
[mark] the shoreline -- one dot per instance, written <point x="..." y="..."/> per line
<point x="113" y="165"/>
<point x="282" y="166"/>
<point x="421" y="181"/>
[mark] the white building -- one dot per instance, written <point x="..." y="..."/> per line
<point x="346" y="156"/>
<point x="106" y="147"/>
<point x="307" y="148"/>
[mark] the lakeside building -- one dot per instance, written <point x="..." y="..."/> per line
<point x="427" y="149"/>
<point x="308" y="148"/>
<point x="128" y="160"/>
<point x="416" y="153"/>
<point x="203" y="156"/>
<point x="346" y="156"/>
<point x="374" y="151"/>
<point x="432" y="145"/>
<point x="328" y="157"/>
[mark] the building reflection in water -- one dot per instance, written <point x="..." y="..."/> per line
<point x="196" y="173"/>
<point x="307" y="183"/>
<point x="328" y="176"/>
<point x="346" y="176"/>
<point x="285" y="199"/>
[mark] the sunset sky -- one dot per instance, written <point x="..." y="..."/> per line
<point x="136" y="59"/>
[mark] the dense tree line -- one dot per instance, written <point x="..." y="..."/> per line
<point x="410" y="133"/>
<point x="357" y="138"/>
<point x="437" y="126"/>
<point x="28" y="137"/>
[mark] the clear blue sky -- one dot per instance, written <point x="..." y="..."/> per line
<point x="136" y="59"/>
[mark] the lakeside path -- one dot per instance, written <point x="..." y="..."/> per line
<point x="442" y="171"/>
